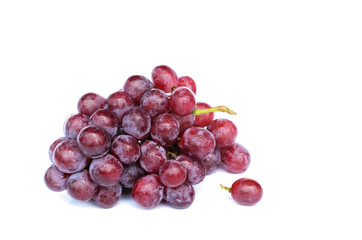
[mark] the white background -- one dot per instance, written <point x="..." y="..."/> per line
<point x="290" y="69"/>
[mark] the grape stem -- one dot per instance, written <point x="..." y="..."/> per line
<point x="226" y="188"/>
<point x="197" y="112"/>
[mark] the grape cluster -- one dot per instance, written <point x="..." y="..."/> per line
<point x="151" y="137"/>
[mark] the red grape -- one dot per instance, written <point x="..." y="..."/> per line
<point x="90" y="102"/>
<point x="224" y="132"/>
<point x="212" y="161"/>
<point x="148" y="191"/>
<point x="93" y="141"/>
<point x="204" y="119"/>
<point x="55" y="179"/>
<point x="246" y="191"/>
<point x="68" y="158"/>
<point x="197" y="143"/>
<point x="126" y="148"/>
<point x="155" y="102"/>
<point x="136" y="86"/>
<point x="74" y="124"/>
<point x="165" y="129"/>
<point x="164" y="78"/>
<point x="106" y="171"/>
<point x="105" y="119"/>
<point x="80" y="186"/>
<point x="235" y="158"/>
<point x="180" y="197"/>
<point x="137" y="123"/>
<point x="172" y="173"/>
<point x="195" y="169"/>
<point x="107" y="197"/>
<point x="182" y="101"/>
<point x="185" y="122"/>
<point x="119" y="103"/>
<point x="53" y="146"/>
<point x="152" y="159"/>
<point x="187" y="82"/>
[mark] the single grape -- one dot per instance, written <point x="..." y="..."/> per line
<point x="131" y="174"/>
<point x="164" y="78"/>
<point x="107" y="197"/>
<point x="74" y="124"/>
<point x="212" y="161"/>
<point x="152" y="159"/>
<point x="185" y="122"/>
<point x="126" y="148"/>
<point x="80" y="186"/>
<point x="187" y="82"/>
<point x="203" y="120"/>
<point x="89" y="103"/>
<point x="172" y="173"/>
<point x="224" y="131"/>
<point x="55" y="179"/>
<point x="93" y="141"/>
<point x="245" y="191"/>
<point x="182" y="101"/>
<point x="195" y="169"/>
<point x="180" y="197"/>
<point x="155" y="102"/>
<point x="147" y="145"/>
<point x="148" y="191"/>
<point x="165" y="129"/>
<point x="106" y="171"/>
<point x="119" y="102"/>
<point x="105" y="119"/>
<point x="235" y="158"/>
<point x="197" y="143"/>
<point x="68" y="158"/>
<point x="137" y="123"/>
<point x="136" y="86"/>
<point x="53" y="146"/>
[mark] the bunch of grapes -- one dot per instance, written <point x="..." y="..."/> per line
<point x="151" y="137"/>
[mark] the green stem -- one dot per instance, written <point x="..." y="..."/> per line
<point x="213" y="109"/>
<point x="226" y="188"/>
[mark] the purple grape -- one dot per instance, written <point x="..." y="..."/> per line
<point x="180" y="197"/>
<point x="53" y="146"/>
<point x="131" y="174"/>
<point x="136" y="86"/>
<point x="68" y="158"/>
<point x="152" y="159"/>
<point x="106" y="171"/>
<point x="74" y="124"/>
<point x="185" y="122"/>
<point x="126" y="148"/>
<point x="165" y="129"/>
<point x="148" y="191"/>
<point x="205" y="119"/>
<point x="93" y="141"/>
<point x="137" y="123"/>
<point x="107" y="197"/>
<point x="187" y="82"/>
<point x="80" y="186"/>
<point x="212" y="161"/>
<point x="155" y="102"/>
<point x="105" y="119"/>
<point x="119" y="103"/>
<point x="55" y="179"/>
<point x="89" y="103"/>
